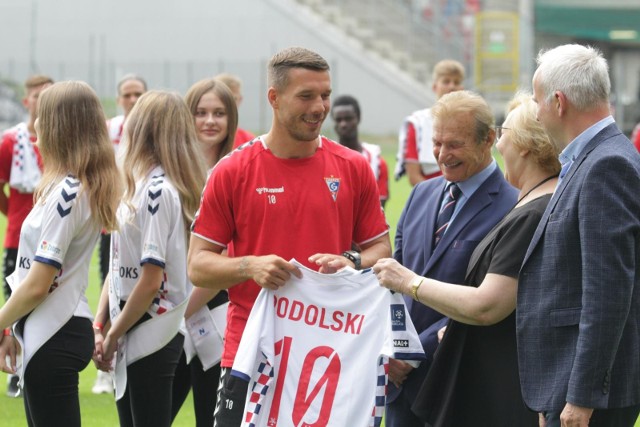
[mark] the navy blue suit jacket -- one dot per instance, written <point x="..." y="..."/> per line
<point x="578" y="310"/>
<point x="448" y="262"/>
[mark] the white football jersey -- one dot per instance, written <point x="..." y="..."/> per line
<point x="60" y="232"/>
<point x="155" y="233"/>
<point x="316" y="350"/>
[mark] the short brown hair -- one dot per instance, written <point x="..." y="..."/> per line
<point x="233" y="82"/>
<point x="466" y="102"/>
<point x="37" y="80"/>
<point x="293" y="57"/>
<point x="448" y="67"/>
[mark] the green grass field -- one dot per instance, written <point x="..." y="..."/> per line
<point x="100" y="410"/>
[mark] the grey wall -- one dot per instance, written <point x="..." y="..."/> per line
<point x="175" y="43"/>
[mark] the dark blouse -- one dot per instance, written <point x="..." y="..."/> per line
<point x="473" y="380"/>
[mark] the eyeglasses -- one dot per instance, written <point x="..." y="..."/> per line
<point x="500" y="130"/>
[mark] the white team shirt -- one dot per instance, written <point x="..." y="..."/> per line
<point x="115" y="127"/>
<point x="59" y="232"/>
<point x="155" y="233"/>
<point x="316" y="350"/>
<point x="422" y="123"/>
<point x="372" y="153"/>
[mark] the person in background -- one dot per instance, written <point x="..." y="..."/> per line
<point x="635" y="136"/>
<point x="22" y="177"/>
<point x="288" y="194"/>
<point x="143" y="305"/>
<point x="578" y="311"/>
<point x="130" y="88"/>
<point x="77" y="196"/>
<point x="415" y="147"/>
<point x="346" y="116"/>
<point x="473" y="380"/>
<point x="441" y="224"/>
<point x="235" y="84"/>
<point x="216" y="117"/>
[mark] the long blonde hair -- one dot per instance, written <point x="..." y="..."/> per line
<point x="160" y="131"/>
<point x="73" y="139"/>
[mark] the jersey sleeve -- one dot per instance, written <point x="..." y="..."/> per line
<point x="254" y="361"/>
<point x="159" y="216"/>
<point x="214" y="220"/>
<point x="404" y="338"/>
<point x="383" y="180"/>
<point x="64" y="215"/>
<point x="411" y="147"/>
<point x="6" y="156"/>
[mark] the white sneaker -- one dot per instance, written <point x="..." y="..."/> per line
<point x="12" y="386"/>
<point x="103" y="384"/>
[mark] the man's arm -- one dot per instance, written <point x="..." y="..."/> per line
<point x="208" y="268"/>
<point x="372" y="251"/>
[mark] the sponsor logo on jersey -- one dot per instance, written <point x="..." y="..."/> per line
<point x="151" y="247"/>
<point x="24" y="262"/>
<point x="334" y="186"/>
<point x="401" y="343"/>
<point x="266" y="190"/>
<point x="128" y="272"/>
<point x="50" y="248"/>
<point x="398" y="317"/>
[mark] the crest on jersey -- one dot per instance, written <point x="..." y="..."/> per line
<point x="334" y="186"/>
<point x="398" y="317"/>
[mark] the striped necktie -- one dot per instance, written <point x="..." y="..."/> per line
<point x="444" y="216"/>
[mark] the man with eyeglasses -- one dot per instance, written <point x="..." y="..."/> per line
<point x="441" y="224"/>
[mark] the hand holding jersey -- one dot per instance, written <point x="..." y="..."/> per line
<point x="337" y="329"/>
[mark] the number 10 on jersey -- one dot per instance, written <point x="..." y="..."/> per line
<point x="318" y="359"/>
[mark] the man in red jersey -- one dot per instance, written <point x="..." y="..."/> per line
<point x="289" y="194"/>
<point x="20" y="167"/>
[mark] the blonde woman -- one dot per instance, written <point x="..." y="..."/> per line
<point x="215" y="116"/>
<point x="148" y="287"/>
<point x="473" y="379"/>
<point x="77" y="196"/>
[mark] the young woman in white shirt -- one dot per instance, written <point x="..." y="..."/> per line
<point x="215" y="115"/>
<point x="141" y="309"/>
<point x="77" y="196"/>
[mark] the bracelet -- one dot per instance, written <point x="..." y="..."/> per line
<point x="97" y="326"/>
<point x="7" y="332"/>
<point x="415" y="286"/>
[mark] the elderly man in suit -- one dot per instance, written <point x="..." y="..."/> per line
<point x="578" y="311"/>
<point x="443" y="221"/>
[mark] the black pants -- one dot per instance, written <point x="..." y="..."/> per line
<point x="51" y="377"/>
<point x="104" y="251"/>
<point x="232" y="393"/>
<point x="147" y="399"/>
<point x="204" y="383"/>
<point x="9" y="266"/>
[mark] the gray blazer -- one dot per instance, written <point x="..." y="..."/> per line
<point x="578" y="310"/>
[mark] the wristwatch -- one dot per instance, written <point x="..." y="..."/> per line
<point x="354" y="257"/>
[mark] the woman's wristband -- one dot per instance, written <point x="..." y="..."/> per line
<point x="98" y="326"/>
<point x="415" y="286"/>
